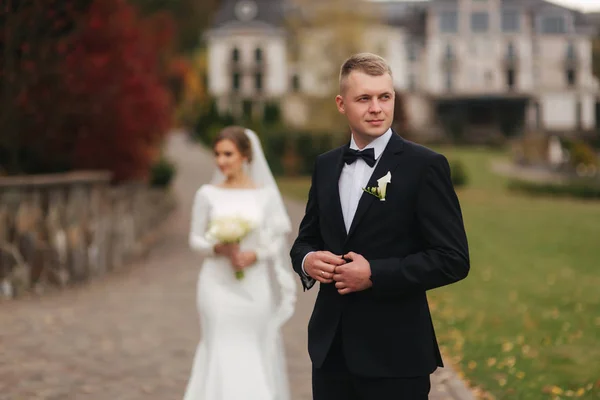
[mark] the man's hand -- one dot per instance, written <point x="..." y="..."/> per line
<point x="353" y="276"/>
<point x="321" y="264"/>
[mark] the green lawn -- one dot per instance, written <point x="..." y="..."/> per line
<point x="525" y="324"/>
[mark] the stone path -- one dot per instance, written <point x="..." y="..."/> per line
<point x="132" y="335"/>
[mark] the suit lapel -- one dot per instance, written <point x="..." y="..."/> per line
<point x="334" y="205"/>
<point x="389" y="161"/>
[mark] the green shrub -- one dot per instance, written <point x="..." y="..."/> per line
<point x="272" y="114"/>
<point x="287" y="151"/>
<point x="458" y="173"/>
<point x="583" y="153"/>
<point x="580" y="188"/>
<point x="162" y="173"/>
<point x="274" y="145"/>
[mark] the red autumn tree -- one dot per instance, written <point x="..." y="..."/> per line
<point x="83" y="86"/>
<point x="33" y="37"/>
<point x="113" y="77"/>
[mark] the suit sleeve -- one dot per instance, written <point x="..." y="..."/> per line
<point x="309" y="235"/>
<point x="445" y="258"/>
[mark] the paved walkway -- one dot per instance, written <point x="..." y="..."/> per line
<point x="131" y="335"/>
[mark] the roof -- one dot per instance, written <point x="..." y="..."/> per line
<point x="411" y="14"/>
<point x="250" y="13"/>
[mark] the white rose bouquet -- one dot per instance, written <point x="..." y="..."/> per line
<point x="230" y="230"/>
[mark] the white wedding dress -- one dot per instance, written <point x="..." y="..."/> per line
<point x="240" y="355"/>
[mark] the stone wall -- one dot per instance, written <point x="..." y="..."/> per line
<point x="60" y="229"/>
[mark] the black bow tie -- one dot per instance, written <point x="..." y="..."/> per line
<point x="368" y="155"/>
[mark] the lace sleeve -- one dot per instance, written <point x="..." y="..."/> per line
<point x="200" y="214"/>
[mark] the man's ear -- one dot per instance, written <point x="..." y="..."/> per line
<point x="339" y="101"/>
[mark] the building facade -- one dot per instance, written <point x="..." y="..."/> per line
<point x="465" y="67"/>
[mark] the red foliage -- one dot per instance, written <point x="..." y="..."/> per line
<point x="93" y="96"/>
<point x="113" y="71"/>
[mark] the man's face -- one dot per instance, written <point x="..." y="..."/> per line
<point x="368" y="104"/>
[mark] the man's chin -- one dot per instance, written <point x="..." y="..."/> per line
<point x="375" y="133"/>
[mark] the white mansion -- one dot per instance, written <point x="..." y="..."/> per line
<point x="475" y="65"/>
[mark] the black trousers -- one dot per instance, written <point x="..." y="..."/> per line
<point x="333" y="381"/>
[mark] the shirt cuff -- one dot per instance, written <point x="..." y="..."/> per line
<point x="304" y="259"/>
<point x="307" y="280"/>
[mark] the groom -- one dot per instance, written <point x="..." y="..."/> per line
<point x="376" y="252"/>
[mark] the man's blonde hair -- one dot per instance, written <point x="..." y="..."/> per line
<point x="368" y="63"/>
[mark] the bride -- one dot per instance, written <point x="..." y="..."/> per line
<point x="240" y="355"/>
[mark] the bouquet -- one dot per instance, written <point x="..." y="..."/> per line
<point x="230" y="230"/>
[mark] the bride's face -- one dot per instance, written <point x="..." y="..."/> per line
<point x="229" y="158"/>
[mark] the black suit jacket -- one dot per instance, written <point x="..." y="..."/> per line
<point x="414" y="241"/>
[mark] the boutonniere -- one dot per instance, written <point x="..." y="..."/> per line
<point x="381" y="188"/>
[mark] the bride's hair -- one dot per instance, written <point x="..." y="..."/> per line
<point x="237" y="135"/>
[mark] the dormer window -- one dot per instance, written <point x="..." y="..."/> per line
<point x="553" y="24"/>
<point x="480" y="22"/>
<point x="510" y="21"/>
<point x="449" y="21"/>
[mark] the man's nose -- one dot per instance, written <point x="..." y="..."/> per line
<point x="375" y="107"/>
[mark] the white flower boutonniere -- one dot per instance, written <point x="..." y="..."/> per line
<point x="381" y="188"/>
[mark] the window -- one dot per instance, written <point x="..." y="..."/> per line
<point x="258" y="82"/>
<point x="553" y="24"/>
<point x="571" y="55"/>
<point x="258" y="55"/>
<point x="411" y="49"/>
<point x="247" y="109"/>
<point x="571" y="77"/>
<point x="579" y="115"/>
<point x="510" y="78"/>
<point x="449" y="80"/>
<point x="449" y="53"/>
<point x="296" y="83"/>
<point x="510" y="21"/>
<point x="488" y="77"/>
<point x="538" y="115"/>
<point x="235" y="55"/>
<point x="235" y="84"/>
<point x="412" y="82"/>
<point x="480" y="22"/>
<point x="511" y="54"/>
<point x="449" y="21"/>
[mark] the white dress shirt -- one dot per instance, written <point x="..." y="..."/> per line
<point x="355" y="177"/>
